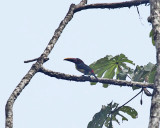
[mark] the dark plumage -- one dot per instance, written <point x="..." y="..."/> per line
<point x="81" y="66"/>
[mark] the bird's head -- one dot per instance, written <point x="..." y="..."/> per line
<point x="74" y="60"/>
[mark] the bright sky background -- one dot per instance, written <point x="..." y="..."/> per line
<point x="26" y="28"/>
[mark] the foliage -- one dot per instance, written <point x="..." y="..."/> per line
<point x="151" y="36"/>
<point x="144" y="73"/>
<point x="109" y="113"/>
<point x="110" y="67"/>
<point x="117" y="67"/>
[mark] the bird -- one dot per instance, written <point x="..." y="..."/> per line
<point x="81" y="66"/>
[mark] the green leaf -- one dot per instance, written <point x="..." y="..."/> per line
<point x="122" y="74"/>
<point x="152" y="74"/>
<point x="93" y="83"/>
<point x="115" y="119"/>
<point x="109" y="74"/>
<point x="120" y="59"/>
<point x="109" y="113"/>
<point x="110" y="67"/>
<point x="146" y="73"/>
<point x="123" y="117"/>
<point x="138" y="73"/>
<point x="105" y="85"/>
<point x="149" y="67"/>
<point x="99" y="66"/>
<point x="108" y="122"/>
<point x="151" y="36"/>
<point x="130" y="111"/>
<point x="100" y="117"/>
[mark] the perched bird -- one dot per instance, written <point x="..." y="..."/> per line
<point x="81" y="66"/>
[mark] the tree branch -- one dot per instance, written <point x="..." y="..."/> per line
<point x="83" y="2"/>
<point x="23" y="83"/>
<point x="59" y="30"/>
<point x="128" y="101"/>
<point x="112" y="5"/>
<point x="35" y="68"/>
<point x="92" y="79"/>
<point x="28" y="61"/>
<point x="155" y="103"/>
<point x="40" y="60"/>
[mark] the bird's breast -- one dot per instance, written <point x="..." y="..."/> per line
<point x="80" y="69"/>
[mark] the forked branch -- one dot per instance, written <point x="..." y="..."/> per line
<point x="40" y="60"/>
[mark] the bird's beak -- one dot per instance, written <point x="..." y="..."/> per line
<point x="70" y="59"/>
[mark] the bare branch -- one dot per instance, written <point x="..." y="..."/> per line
<point x="25" y="81"/>
<point x="59" y="30"/>
<point x="43" y="58"/>
<point x="28" y="61"/>
<point x="92" y="79"/>
<point x="83" y="2"/>
<point x="35" y="68"/>
<point x="112" y="5"/>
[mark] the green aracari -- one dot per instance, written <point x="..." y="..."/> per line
<point x="81" y="66"/>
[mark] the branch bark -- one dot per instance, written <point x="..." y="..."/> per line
<point x="35" y="68"/>
<point x="23" y="83"/>
<point x="92" y="79"/>
<point x="155" y="104"/>
<point x="112" y="5"/>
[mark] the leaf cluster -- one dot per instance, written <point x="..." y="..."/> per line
<point x="108" y="114"/>
<point x="119" y="67"/>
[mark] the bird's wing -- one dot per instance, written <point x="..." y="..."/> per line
<point x="84" y="69"/>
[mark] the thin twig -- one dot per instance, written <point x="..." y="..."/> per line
<point x="28" y="61"/>
<point x="130" y="99"/>
<point x="116" y="109"/>
<point x="126" y="102"/>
